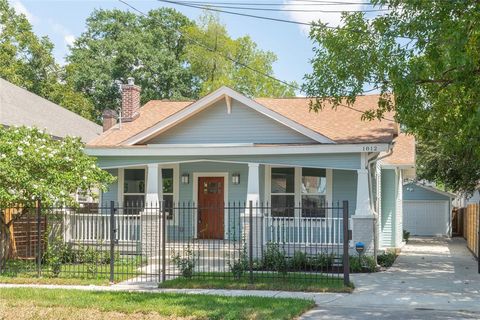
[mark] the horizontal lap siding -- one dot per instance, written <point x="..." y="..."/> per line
<point x="413" y="192"/>
<point x="388" y="205"/>
<point x="243" y="124"/>
<point x="112" y="193"/>
<point x="345" y="188"/>
<point x="329" y="160"/>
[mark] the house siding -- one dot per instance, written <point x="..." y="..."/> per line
<point x="329" y="160"/>
<point x="419" y="193"/>
<point x="345" y="188"/>
<point x="112" y="193"/>
<point x="388" y="207"/>
<point x="242" y="125"/>
<point x="399" y="209"/>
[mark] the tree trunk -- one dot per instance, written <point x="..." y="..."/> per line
<point x="4" y="241"/>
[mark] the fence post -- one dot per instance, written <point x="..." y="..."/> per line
<point x="250" y="239"/>
<point x="39" y="238"/>
<point x="346" y="238"/>
<point x="164" y="221"/>
<point x="112" y="241"/>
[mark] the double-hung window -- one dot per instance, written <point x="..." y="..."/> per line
<point x="298" y="192"/>
<point x="283" y="192"/>
<point x="167" y="191"/>
<point x="134" y="190"/>
<point x="313" y="192"/>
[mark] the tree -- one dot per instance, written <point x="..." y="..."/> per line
<point x="35" y="167"/>
<point x="212" y="55"/>
<point x="423" y="57"/>
<point x="27" y="61"/>
<point x="118" y="45"/>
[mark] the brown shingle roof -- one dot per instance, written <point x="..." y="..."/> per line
<point x="403" y="151"/>
<point x="342" y="125"/>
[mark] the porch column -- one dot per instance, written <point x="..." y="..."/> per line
<point x="253" y="185"/>
<point x="152" y="191"/>
<point x="253" y="227"/>
<point x="363" y="194"/>
<point x="150" y="218"/>
<point x="362" y="225"/>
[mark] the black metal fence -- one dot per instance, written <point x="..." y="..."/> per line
<point x="136" y="243"/>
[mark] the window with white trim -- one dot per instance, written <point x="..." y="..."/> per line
<point x="133" y="190"/>
<point x="283" y="192"/>
<point x="298" y="191"/>
<point x="313" y="192"/>
<point x="168" y="191"/>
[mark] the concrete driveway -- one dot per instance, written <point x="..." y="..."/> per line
<point x="432" y="278"/>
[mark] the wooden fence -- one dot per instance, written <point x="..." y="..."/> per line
<point x="470" y="227"/>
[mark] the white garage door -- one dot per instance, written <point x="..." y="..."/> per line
<point x="426" y="218"/>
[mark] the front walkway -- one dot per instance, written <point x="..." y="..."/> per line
<point x="431" y="273"/>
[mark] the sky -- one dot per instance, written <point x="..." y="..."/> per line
<point x="64" y="20"/>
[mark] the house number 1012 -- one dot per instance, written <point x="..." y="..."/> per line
<point x="370" y="148"/>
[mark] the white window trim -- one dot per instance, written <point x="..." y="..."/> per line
<point x="297" y="188"/>
<point x="176" y="190"/>
<point x="225" y="176"/>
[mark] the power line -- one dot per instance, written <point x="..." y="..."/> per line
<point x="296" y="87"/>
<point x="262" y="17"/>
<point x="300" y="3"/>
<point x="283" y="10"/>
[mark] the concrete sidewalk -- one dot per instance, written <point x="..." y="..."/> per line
<point x="431" y="274"/>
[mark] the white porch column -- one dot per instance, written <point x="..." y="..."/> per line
<point x="252" y="224"/>
<point x="253" y="185"/>
<point x="154" y="177"/>
<point x="363" y="194"/>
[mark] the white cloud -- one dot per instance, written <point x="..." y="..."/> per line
<point x="20" y="8"/>
<point x="69" y="39"/>
<point x="310" y="12"/>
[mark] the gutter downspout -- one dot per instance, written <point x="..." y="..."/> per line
<point x="372" y="207"/>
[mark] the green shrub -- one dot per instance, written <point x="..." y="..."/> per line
<point x="53" y="256"/>
<point x="406" y="235"/>
<point x="275" y="259"/>
<point x="387" y="259"/>
<point x="362" y="264"/>
<point x="240" y="265"/>
<point x="185" y="263"/>
<point x="323" y="261"/>
<point x="299" y="261"/>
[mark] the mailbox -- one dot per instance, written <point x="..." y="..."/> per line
<point x="360" y="247"/>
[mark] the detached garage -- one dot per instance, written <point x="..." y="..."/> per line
<point x="426" y="210"/>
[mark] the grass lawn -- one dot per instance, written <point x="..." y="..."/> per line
<point x="74" y="274"/>
<point x="22" y="303"/>
<point x="265" y="281"/>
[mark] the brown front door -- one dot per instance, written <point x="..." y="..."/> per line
<point x="210" y="208"/>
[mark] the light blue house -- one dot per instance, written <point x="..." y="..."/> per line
<point x="226" y="150"/>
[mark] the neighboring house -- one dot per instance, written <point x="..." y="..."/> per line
<point x="427" y="211"/>
<point x="270" y="151"/>
<point x="19" y="107"/>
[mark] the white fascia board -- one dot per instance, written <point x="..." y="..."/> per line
<point x="213" y="97"/>
<point x="397" y="166"/>
<point x="234" y="150"/>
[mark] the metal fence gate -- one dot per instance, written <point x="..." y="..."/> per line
<point x="154" y="243"/>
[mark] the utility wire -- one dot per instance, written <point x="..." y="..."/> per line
<point x="299" y="3"/>
<point x="261" y="17"/>
<point x="296" y="87"/>
<point x="284" y="10"/>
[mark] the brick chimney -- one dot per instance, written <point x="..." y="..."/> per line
<point x="109" y="118"/>
<point x="130" y="100"/>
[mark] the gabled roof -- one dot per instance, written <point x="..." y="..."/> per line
<point x="403" y="152"/>
<point x="19" y="107"/>
<point x="341" y="126"/>
<point x="432" y="189"/>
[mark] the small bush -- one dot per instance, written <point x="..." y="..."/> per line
<point x="387" y="259"/>
<point x="240" y="265"/>
<point x="406" y="235"/>
<point x="362" y="264"/>
<point x="54" y="255"/>
<point x="323" y="261"/>
<point x="299" y="261"/>
<point x="185" y="263"/>
<point x="275" y="259"/>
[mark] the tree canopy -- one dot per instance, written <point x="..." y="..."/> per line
<point x="216" y="67"/>
<point x="423" y="57"/>
<point x="27" y="61"/>
<point x="34" y="166"/>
